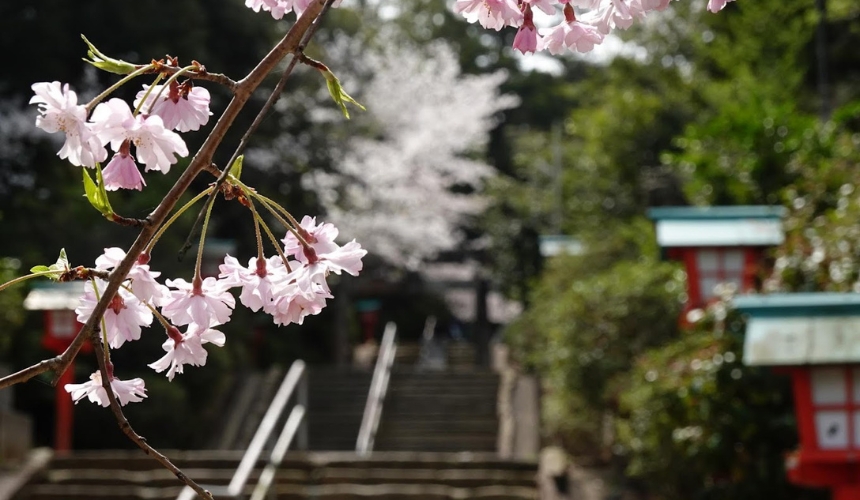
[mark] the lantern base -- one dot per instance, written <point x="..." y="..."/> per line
<point x="840" y="476"/>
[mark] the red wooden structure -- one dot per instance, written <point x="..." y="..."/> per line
<point x="58" y="301"/>
<point x="815" y="338"/>
<point x="717" y="245"/>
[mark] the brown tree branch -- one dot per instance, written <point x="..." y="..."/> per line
<point x="126" y="428"/>
<point x="50" y="364"/>
<point x="200" y="75"/>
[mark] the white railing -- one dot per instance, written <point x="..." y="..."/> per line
<point x="378" y="388"/>
<point x="294" y="382"/>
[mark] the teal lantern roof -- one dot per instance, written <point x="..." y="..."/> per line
<point x="801" y="328"/>
<point x="730" y="226"/>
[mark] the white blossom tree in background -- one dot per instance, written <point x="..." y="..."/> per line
<point x="405" y="187"/>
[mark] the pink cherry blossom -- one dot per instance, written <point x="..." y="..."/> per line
<point x="321" y="237"/>
<point x="614" y="14"/>
<point x="280" y="7"/>
<point x="125" y="391"/>
<point x="717" y="5"/>
<point x="571" y="33"/>
<point x="207" y="306"/>
<point x="526" y="39"/>
<point x="553" y="38"/>
<point x="186" y="349"/>
<point x="142" y="280"/>
<point x="122" y="173"/>
<point x="181" y="107"/>
<point x="155" y="146"/>
<point x="124" y="317"/>
<point x="259" y="281"/>
<point x="295" y="302"/>
<point x="60" y="112"/>
<point x="345" y="258"/>
<point x="582" y="37"/>
<point x="322" y="256"/>
<point x="547" y="6"/>
<point x="321" y="240"/>
<point x="491" y="14"/>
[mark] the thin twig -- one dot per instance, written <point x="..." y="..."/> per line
<point x="201" y="75"/>
<point x="126" y="428"/>
<point x="126" y="221"/>
<point x="47" y="365"/>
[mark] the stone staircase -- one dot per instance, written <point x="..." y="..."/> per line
<point x="130" y="475"/>
<point x="441" y="410"/>
<point x="336" y="400"/>
<point x="446" y="411"/>
<point x="436" y="441"/>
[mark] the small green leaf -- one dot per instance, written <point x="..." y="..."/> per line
<point x="58" y="268"/>
<point x="96" y="194"/>
<point x="103" y="62"/>
<point x="236" y="169"/>
<point x="338" y="94"/>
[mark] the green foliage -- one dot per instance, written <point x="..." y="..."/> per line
<point x="738" y="155"/>
<point x="591" y="316"/>
<point x="697" y="424"/>
<point x="106" y="63"/>
<point x="341" y="98"/>
<point x="822" y="248"/>
<point x="95" y="192"/>
<point x="56" y="269"/>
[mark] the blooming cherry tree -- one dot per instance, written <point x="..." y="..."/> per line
<point x="393" y="191"/>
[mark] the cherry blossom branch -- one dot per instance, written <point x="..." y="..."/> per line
<point x="129" y="222"/>
<point x="242" y="92"/>
<point x="46" y="365"/>
<point x="126" y="428"/>
<point x="202" y="74"/>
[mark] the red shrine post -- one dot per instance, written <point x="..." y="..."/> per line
<point x="58" y="301"/>
<point x="814" y="337"/>
<point x="717" y="244"/>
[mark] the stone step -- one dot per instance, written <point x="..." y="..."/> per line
<point x="135" y="459"/>
<point x="229" y="459"/>
<point x="327" y="475"/>
<point x="432" y="429"/>
<point x="450" y="477"/>
<point x="458" y="376"/>
<point x="405" y="442"/>
<point x="404" y="492"/>
<point x="292" y="492"/>
<point x="446" y="408"/>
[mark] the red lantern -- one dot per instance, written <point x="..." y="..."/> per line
<point x="59" y="300"/>
<point x="815" y="338"/>
<point x="717" y="244"/>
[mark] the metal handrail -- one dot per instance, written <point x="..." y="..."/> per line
<point x="378" y="388"/>
<point x="295" y="379"/>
